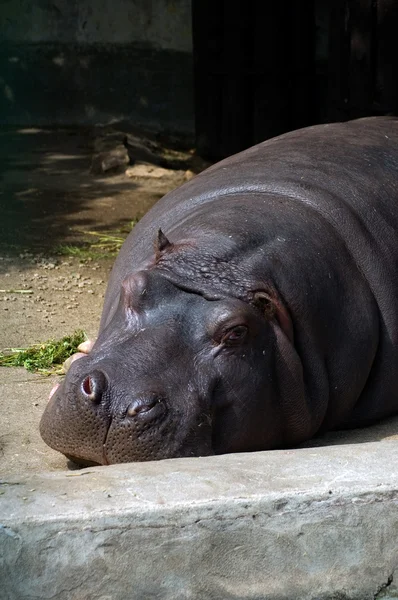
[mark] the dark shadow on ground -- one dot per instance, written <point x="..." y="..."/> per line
<point x="384" y="430"/>
<point x="47" y="189"/>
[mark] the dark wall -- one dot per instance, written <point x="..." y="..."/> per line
<point x="257" y="68"/>
<point x="254" y="71"/>
<point x="264" y="68"/>
<point x="363" y="59"/>
<point x="84" y="61"/>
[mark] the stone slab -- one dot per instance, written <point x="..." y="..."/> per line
<point x="306" y="524"/>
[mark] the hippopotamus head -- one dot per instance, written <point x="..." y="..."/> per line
<point x="177" y="370"/>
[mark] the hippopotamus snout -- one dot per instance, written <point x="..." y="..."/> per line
<point x="128" y="421"/>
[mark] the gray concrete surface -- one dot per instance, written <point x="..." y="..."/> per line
<point x="315" y="523"/>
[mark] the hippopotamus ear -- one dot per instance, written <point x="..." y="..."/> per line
<point x="272" y="307"/>
<point x="162" y="243"/>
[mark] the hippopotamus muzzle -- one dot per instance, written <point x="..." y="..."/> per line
<point x="93" y="428"/>
<point x="92" y="422"/>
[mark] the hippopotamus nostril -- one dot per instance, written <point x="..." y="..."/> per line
<point x="93" y="386"/>
<point x="144" y="406"/>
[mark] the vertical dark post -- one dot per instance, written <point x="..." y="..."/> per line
<point x="237" y="50"/>
<point x="271" y="70"/>
<point x="207" y="33"/>
<point x="361" y="60"/>
<point x="352" y="59"/>
<point x="339" y="61"/>
<point x="284" y="67"/>
<point x="363" y="74"/>
<point x="386" y="77"/>
<point x="302" y="64"/>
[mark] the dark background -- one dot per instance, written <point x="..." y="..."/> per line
<point x="262" y="68"/>
<point x="229" y="73"/>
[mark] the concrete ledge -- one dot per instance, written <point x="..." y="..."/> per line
<point x="314" y="523"/>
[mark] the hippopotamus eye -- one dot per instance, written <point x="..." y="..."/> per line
<point x="234" y="335"/>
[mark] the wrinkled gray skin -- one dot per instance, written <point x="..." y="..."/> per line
<point x="267" y="315"/>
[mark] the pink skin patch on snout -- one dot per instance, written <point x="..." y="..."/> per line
<point x="71" y="359"/>
<point x="56" y="386"/>
<point x="85" y="348"/>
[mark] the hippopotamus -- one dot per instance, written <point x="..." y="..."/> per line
<point x="252" y="308"/>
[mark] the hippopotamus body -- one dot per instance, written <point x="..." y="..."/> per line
<point x="250" y="309"/>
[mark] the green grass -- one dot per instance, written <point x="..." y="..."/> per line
<point x="83" y="252"/>
<point x="106" y="244"/>
<point x="46" y="358"/>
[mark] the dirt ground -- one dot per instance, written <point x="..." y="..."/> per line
<point x="50" y="196"/>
